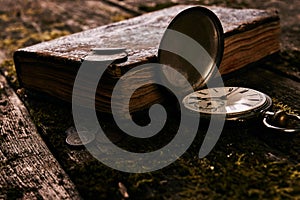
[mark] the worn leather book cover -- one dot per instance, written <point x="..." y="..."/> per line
<point x="51" y="67"/>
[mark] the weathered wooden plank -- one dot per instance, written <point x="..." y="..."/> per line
<point x="245" y="156"/>
<point x="237" y="169"/>
<point x="28" y="169"/>
<point x="242" y="152"/>
<point x="287" y="64"/>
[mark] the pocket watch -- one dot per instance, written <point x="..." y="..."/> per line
<point x="237" y="103"/>
<point x="240" y="104"/>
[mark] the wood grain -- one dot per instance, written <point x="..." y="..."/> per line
<point x="28" y="169"/>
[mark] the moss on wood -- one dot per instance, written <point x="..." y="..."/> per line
<point x="246" y="162"/>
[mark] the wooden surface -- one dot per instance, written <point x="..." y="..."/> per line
<point x="28" y="169"/>
<point x="249" y="162"/>
<point x="249" y="159"/>
<point x="266" y="78"/>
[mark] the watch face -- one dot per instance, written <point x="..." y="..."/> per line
<point x="226" y="100"/>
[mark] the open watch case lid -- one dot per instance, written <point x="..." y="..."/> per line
<point x="193" y="45"/>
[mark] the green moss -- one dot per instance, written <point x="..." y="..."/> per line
<point x="248" y="162"/>
<point x="243" y="164"/>
<point x="278" y="105"/>
<point x="8" y="69"/>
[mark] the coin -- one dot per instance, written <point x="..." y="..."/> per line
<point x="74" y="139"/>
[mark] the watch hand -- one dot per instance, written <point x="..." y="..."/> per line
<point x="224" y="97"/>
<point x="231" y="92"/>
<point x="209" y="98"/>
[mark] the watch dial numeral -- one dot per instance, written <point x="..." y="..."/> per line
<point x="196" y="98"/>
<point x="247" y="104"/>
<point x="254" y="99"/>
<point x="203" y="93"/>
<point x="244" y="91"/>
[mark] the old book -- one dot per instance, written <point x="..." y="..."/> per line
<point x="51" y="67"/>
